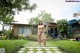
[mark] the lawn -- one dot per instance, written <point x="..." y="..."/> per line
<point x="11" y="45"/>
<point x="66" y="45"/>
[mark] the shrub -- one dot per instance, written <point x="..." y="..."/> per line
<point x="20" y="36"/>
<point x="4" y="38"/>
<point x="32" y="37"/>
<point x="78" y="38"/>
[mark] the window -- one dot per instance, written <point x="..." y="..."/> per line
<point x="24" y="30"/>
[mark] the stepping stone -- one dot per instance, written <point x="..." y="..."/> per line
<point x="52" y="47"/>
<point x="42" y="47"/>
<point x="39" y="51"/>
<point x="48" y="52"/>
<point x="30" y="52"/>
<point x="55" y="49"/>
<point x="47" y="49"/>
<point x="2" y="50"/>
<point x="20" y="51"/>
<point x="57" y="52"/>
<point x="31" y="49"/>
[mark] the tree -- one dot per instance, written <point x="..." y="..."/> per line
<point x="8" y="20"/>
<point x="76" y="15"/>
<point x="34" y="20"/>
<point x="46" y="17"/>
<point x="62" y="26"/>
<point x="43" y="16"/>
<point x="10" y="7"/>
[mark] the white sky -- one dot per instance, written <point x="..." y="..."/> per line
<point x="59" y="9"/>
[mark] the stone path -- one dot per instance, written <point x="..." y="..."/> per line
<point x="33" y="47"/>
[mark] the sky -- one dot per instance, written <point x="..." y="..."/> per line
<point x="59" y="9"/>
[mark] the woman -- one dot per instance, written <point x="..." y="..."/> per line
<point x="41" y="36"/>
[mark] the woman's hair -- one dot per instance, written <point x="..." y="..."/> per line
<point x="40" y="23"/>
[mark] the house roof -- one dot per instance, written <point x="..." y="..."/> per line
<point x="20" y="24"/>
<point x="73" y="21"/>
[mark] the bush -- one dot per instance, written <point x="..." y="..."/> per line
<point x="77" y="37"/>
<point x="20" y="36"/>
<point x="32" y="37"/>
<point x="11" y="45"/>
<point x="4" y="38"/>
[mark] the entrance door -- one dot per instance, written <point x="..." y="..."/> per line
<point x="53" y="32"/>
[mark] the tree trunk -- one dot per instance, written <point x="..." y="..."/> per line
<point x="3" y="29"/>
<point x="64" y="36"/>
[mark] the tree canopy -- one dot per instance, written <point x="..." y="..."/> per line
<point x="8" y="19"/>
<point x="8" y="8"/>
<point x="77" y="15"/>
<point x="43" y="16"/>
<point x="62" y="26"/>
<point x="34" y="20"/>
<point x="11" y="6"/>
<point x="46" y="17"/>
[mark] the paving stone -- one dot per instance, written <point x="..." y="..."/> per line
<point x="30" y="52"/>
<point x="48" y="52"/>
<point x="57" y="52"/>
<point x="47" y="49"/>
<point x="31" y="49"/>
<point x="39" y="51"/>
<point x="21" y="51"/>
<point x="2" y="50"/>
<point x="55" y="49"/>
<point x="32" y="46"/>
<point x="52" y="47"/>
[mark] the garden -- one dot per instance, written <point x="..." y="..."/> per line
<point x="62" y="36"/>
<point x="67" y="46"/>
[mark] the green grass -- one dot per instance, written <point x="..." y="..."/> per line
<point x="72" y="46"/>
<point x="11" y="45"/>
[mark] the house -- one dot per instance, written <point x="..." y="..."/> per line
<point x="75" y="26"/>
<point x="24" y="29"/>
<point x="52" y="29"/>
<point x="27" y="29"/>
